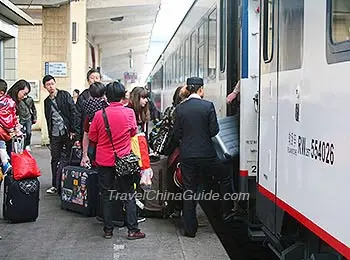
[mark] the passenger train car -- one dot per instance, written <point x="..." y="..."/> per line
<point x="293" y="138"/>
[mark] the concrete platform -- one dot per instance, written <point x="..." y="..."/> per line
<point x="64" y="235"/>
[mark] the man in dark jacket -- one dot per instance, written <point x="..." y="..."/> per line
<point x="92" y="77"/>
<point x="60" y="115"/>
<point x="195" y="125"/>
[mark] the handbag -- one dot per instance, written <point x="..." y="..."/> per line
<point x="24" y="166"/>
<point x="126" y="165"/>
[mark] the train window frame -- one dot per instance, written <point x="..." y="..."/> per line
<point x="223" y="34"/>
<point x="212" y="76"/>
<point x="201" y="36"/>
<point x="291" y="26"/>
<point x="187" y="48"/>
<point x="193" y="54"/>
<point x="266" y="28"/>
<point x="181" y="61"/>
<point x="335" y="52"/>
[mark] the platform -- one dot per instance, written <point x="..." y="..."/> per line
<point x="64" y="235"/>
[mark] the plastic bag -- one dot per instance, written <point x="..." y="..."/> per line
<point x="24" y="166"/>
<point x="139" y="147"/>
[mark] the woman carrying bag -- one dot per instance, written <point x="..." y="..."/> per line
<point x="110" y="145"/>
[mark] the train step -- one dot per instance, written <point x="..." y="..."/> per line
<point x="256" y="235"/>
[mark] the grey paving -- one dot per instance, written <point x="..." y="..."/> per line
<point x="64" y="235"/>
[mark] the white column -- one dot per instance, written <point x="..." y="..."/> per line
<point x="78" y="46"/>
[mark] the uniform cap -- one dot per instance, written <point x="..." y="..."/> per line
<point x="194" y="81"/>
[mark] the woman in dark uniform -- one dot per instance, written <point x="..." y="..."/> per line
<point x="195" y="125"/>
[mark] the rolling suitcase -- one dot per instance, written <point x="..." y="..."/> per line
<point x="72" y="160"/>
<point x="157" y="205"/>
<point x="79" y="190"/>
<point x="21" y="199"/>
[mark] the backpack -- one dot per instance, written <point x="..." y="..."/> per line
<point x="161" y="131"/>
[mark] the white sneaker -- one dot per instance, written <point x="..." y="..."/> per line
<point x="28" y="148"/>
<point x="141" y="219"/>
<point x="51" y="190"/>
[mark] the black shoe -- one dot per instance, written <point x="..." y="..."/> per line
<point x="108" y="235"/>
<point x="186" y="234"/>
<point x="227" y="218"/>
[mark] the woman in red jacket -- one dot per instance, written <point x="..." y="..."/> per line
<point x="123" y="126"/>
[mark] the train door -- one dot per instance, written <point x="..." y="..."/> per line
<point x="268" y="114"/>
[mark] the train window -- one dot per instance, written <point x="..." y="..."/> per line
<point x="178" y="64"/>
<point x="212" y="45"/>
<point x="193" y="61"/>
<point x="181" y="67"/>
<point x="201" y="50"/>
<point x="174" y="76"/>
<point x="268" y="30"/>
<point x="338" y="31"/>
<point x="187" y="58"/>
<point x="291" y="32"/>
<point x="223" y="26"/>
<point x="340" y="21"/>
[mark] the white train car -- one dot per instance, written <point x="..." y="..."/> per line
<point x="217" y="40"/>
<point x="303" y="128"/>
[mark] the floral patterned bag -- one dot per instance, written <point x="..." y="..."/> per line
<point x="126" y="165"/>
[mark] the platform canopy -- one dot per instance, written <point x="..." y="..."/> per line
<point x="121" y="28"/>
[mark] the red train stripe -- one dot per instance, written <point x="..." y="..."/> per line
<point x="243" y="173"/>
<point x="324" y="235"/>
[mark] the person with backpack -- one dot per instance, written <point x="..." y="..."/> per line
<point x="94" y="103"/>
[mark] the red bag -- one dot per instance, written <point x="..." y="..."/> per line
<point x="24" y="166"/>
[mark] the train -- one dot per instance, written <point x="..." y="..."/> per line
<point x="291" y="59"/>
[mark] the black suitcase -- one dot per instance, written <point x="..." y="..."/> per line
<point x="21" y="200"/>
<point x="73" y="159"/>
<point x="79" y="190"/>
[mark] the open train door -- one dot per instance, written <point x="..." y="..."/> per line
<point x="268" y="115"/>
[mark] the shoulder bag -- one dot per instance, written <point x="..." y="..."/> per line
<point x="126" y="165"/>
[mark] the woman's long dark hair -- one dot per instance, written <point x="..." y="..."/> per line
<point x="18" y="86"/>
<point x="142" y="113"/>
<point x="177" y="98"/>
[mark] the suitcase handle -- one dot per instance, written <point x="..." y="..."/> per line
<point x="18" y="144"/>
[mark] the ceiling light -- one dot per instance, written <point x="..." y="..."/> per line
<point x="117" y="19"/>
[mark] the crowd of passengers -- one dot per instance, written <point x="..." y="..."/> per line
<point x="78" y="121"/>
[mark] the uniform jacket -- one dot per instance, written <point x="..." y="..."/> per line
<point x="195" y="125"/>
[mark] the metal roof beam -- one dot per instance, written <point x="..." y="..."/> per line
<point x="92" y="4"/>
<point x="120" y="37"/>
